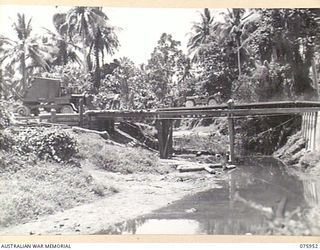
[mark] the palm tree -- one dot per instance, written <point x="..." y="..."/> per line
<point x="26" y="52"/>
<point x="234" y="28"/>
<point x="88" y="25"/>
<point x="62" y="48"/>
<point x="82" y="23"/>
<point x="201" y="32"/>
<point x="104" y="40"/>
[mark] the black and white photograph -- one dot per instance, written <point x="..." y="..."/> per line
<point x="159" y="121"/>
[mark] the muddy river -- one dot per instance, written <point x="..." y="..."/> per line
<point x="263" y="184"/>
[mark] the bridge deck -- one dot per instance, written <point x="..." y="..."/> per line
<point x="104" y="119"/>
<point x="262" y="108"/>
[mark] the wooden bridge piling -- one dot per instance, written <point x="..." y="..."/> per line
<point x="314" y="135"/>
<point x="231" y="132"/>
<point x="165" y="137"/>
<point x="81" y="111"/>
<point x="53" y="117"/>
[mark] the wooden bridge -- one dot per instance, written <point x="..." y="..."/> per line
<point x="105" y="119"/>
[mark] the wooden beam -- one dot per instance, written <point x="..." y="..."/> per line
<point x="277" y="104"/>
<point x="53" y="116"/>
<point x="165" y="137"/>
<point x="231" y="131"/>
<point x="81" y="111"/>
<point x="203" y="112"/>
<point x="315" y="127"/>
<point x="304" y="125"/>
<point x="308" y="130"/>
<point x="236" y="112"/>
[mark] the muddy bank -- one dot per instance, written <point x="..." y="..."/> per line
<point x="296" y="157"/>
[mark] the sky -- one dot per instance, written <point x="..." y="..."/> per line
<point x="141" y="28"/>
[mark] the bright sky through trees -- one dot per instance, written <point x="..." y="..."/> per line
<point x="140" y="28"/>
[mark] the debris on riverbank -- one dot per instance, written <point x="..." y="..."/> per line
<point x="293" y="153"/>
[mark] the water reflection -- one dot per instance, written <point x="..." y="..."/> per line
<point x="263" y="182"/>
<point x="156" y="226"/>
<point x="311" y="189"/>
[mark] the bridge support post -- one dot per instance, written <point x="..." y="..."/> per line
<point x="104" y="124"/>
<point x="90" y="122"/>
<point x="165" y="132"/>
<point x="81" y="111"/>
<point x="231" y="131"/>
<point x="110" y="125"/>
<point x="53" y="117"/>
<point x="314" y="135"/>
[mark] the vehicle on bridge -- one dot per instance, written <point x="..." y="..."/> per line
<point x="48" y="93"/>
<point x="210" y="100"/>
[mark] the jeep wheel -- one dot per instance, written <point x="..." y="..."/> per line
<point x="190" y="103"/>
<point x="23" y="111"/>
<point x="66" y="109"/>
<point x="212" y="102"/>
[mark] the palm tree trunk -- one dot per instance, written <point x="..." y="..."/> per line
<point x="84" y="51"/>
<point x="239" y="59"/>
<point x="24" y="72"/>
<point x="2" y="94"/>
<point x="97" y="74"/>
<point x="315" y="76"/>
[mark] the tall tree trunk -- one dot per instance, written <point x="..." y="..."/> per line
<point x="127" y="94"/>
<point x="315" y="76"/>
<point x="239" y="59"/>
<point x="2" y="94"/>
<point x="65" y="54"/>
<point x="97" y="73"/>
<point x="84" y="51"/>
<point x="24" y="72"/>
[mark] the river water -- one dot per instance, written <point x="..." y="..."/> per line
<point x="264" y="186"/>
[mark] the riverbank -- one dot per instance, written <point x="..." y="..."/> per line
<point x="86" y="187"/>
<point x="294" y="154"/>
<point x="50" y="187"/>
<point x="304" y="164"/>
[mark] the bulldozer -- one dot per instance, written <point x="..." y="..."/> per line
<point x="46" y="94"/>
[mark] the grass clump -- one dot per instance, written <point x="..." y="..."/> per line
<point x="126" y="161"/>
<point x="118" y="158"/>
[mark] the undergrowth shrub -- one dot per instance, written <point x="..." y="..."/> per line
<point x="47" y="144"/>
<point x="127" y="161"/>
<point x="266" y="134"/>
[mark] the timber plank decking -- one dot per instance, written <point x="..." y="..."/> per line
<point x="260" y="108"/>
